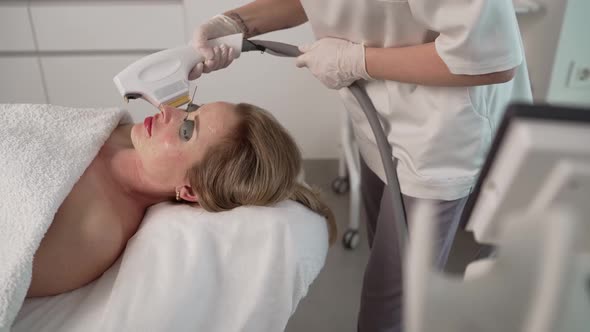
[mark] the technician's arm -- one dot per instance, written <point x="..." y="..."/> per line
<point x="422" y="65"/>
<point x="262" y="16"/>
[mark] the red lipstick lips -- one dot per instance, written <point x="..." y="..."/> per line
<point x="147" y="123"/>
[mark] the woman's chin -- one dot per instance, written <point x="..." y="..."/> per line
<point x="136" y="134"/>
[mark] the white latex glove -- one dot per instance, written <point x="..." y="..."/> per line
<point x="335" y="62"/>
<point x="217" y="57"/>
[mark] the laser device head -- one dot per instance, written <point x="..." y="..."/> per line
<point x="162" y="77"/>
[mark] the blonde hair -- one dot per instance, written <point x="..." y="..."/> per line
<point x="257" y="164"/>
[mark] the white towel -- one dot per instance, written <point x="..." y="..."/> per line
<point x="44" y="150"/>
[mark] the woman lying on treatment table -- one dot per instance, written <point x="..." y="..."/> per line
<point x="219" y="157"/>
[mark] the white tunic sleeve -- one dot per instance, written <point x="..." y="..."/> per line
<point x="475" y="36"/>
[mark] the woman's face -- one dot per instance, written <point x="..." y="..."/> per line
<point x="168" y="145"/>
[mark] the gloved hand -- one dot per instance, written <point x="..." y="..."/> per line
<point x="335" y="62"/>
<point x="217" y="57"/>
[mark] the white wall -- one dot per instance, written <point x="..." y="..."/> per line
<point x="555" y="38"/>
<point x="311" y="112"/>
<point x="573" y="49"/>
<point x="66" y="52"/>
<point x="540" y="33"/>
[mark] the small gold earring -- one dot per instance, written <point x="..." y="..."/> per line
<point x="177" y="195"/>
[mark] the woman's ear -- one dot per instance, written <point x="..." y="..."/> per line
<point x="188" y="194"/>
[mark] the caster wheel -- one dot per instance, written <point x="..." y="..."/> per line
<point x="340" y="185"/>
<point x="351" y="238"/>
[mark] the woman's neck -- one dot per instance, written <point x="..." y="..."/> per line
<point x="126" y="172"/>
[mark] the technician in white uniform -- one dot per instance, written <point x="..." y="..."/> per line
<point x="440" y="72"/>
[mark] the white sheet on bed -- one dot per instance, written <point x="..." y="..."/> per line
<point x="190" y="270"/>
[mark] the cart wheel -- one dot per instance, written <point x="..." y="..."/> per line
<point x="340" y="185"/>
<point x="350" y="240"/>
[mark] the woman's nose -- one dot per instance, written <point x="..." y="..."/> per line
<point x="168" y="113"/>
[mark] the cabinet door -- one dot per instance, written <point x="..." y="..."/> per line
<point x="15" y="27"/>
<point x="87" y="81"/>
<point x="108" y="25"/>
<point x="20" y="80"/>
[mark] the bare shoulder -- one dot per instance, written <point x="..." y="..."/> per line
<point x="88" y="233"/>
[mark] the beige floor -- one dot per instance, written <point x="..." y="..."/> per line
<point x="333" y="300"/>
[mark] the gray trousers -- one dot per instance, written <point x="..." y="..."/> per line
<point x="381" y="298"/>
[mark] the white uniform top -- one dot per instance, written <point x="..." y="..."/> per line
<point x="439" y="134"/>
